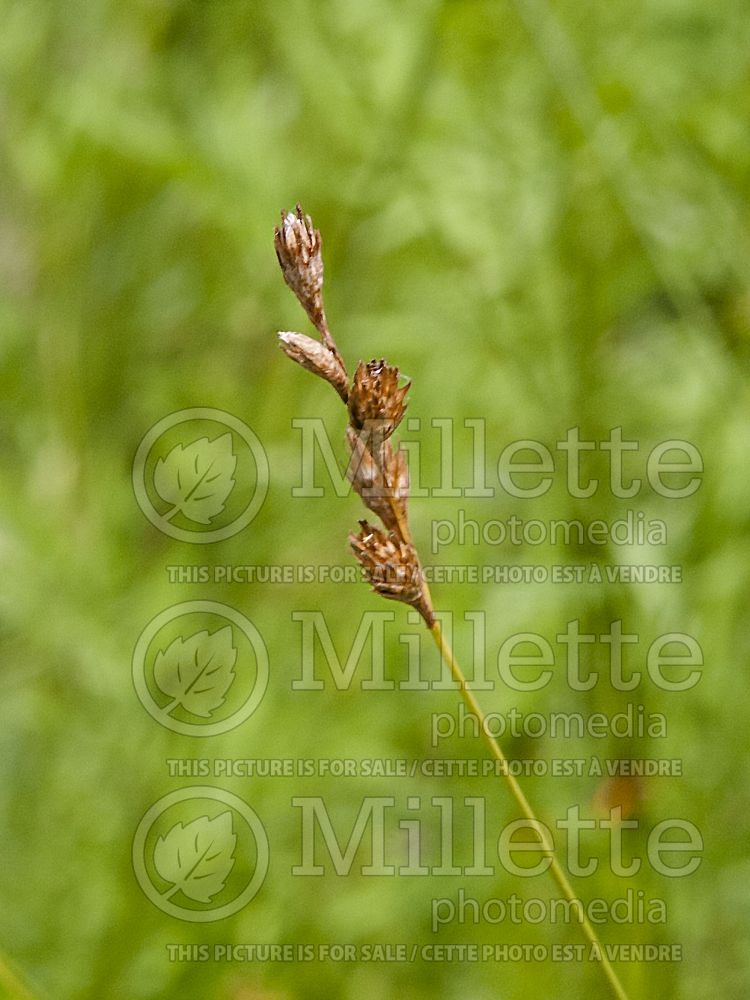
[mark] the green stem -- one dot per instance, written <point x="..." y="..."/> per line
<point x="523" y="804"/>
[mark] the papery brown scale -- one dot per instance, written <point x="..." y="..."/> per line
<point x="398" y="472"/>
<point x="376" y="398"/>
<point x="316" y="358"/>
<point x="298" y="248"/>
<point x="391" y="567"/>
<point x="369" y="483"/>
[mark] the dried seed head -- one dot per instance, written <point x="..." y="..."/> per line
<point x="381" y="486"/>
<point x="397" y="474"/>
<point x="391" y="567"/>
<point x="298" y="247"/>
<point x="375" y="398"/>
<point x="316" y="358"/>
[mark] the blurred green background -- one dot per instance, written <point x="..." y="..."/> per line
<point x="537" y="209"/>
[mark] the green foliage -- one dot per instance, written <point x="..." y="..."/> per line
<point x="537" y="210"/>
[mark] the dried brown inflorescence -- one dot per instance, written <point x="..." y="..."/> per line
<point x="316" y="358"/>
<point x="379" y="475"/>
<point x="376" y="398"/>
<point x="391" y="566"/>
<point x="376" y="405"/>
<point x="298" y="248"/>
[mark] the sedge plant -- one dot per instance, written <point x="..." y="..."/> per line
<point x="378" y="471"/>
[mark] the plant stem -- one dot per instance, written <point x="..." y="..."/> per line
<point x="523" y="804"/>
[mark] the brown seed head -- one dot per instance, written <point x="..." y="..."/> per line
<point x="375" y="399"/>
<point x="298" y="248"/>
<point x="316" y="358"/>
<point x="384" y="488"/>
<point x="391" y="567"/>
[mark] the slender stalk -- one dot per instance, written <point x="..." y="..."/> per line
<point x="523" y="804"/>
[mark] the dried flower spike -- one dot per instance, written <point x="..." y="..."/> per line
<point x="376" y="397"/>
<point x="298" y="246"/>
<point x="391" y="567"/>
<point x="380" y="477"/>
<point x="379" y="474"/>
<point x="316" y="358"/>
